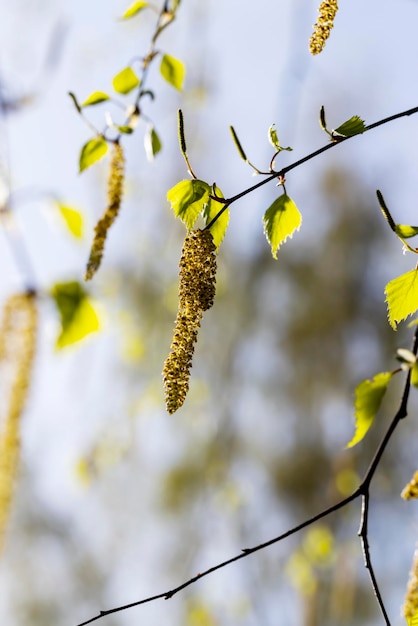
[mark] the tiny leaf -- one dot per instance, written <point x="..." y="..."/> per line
<point x="281" y="220"/>
<point x="73" y="219"/>
<point x="354" y="126"/>
<point x="92" y="151"/>
<point x="152" y="143"/>
<point x="273" y="138"/>
<point x="95" y="98"/>
<point x="125" y="81"/>
<point x="189" y="198"/>
<point x="134" y="9"/>
<point x="402" y="297"/>
<point x="77" y="314"/>
<point x="405" y="232"/>
<point x="218" y="229"/>
<point x="322" y="120"/>
<point x="368" y="397"/>
<point x="75" y="102"/>
<point x="127" y="130"/>
<point x="414" y="375"/>
<point x="173" y="71"/>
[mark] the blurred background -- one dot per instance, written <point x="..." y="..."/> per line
<point x="116" y="500"/>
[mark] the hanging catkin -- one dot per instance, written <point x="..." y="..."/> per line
<point x="196" y="294"/>
<point x="17" y="349"/>
<point x="410" y="607"/>
<point x="411" y="489"/>
<point x="114" y="195"/>
<point x="322" y="28"/>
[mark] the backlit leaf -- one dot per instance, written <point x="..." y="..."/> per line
<point x="152" y="143"/>
<point x="134" y="9"/>
<point x="77" y="314"/>
<point x="189" y="198"/>
<point x="354" y="126"/>
<point x="414" y="375"/>
<point x="368" y="397"/>
<point x="273" y="137"/>
<point x="218" y="229"/>
<point x="281" y="220"/>
<point x="95" y="98"/>
<point x="404" y="231"/>
<point x="73" y="219"/>
<point x="402" y="297"/>
<point x="92" y="151"/>
<point x="173" y="71"/>
<point x="125" y="81"/>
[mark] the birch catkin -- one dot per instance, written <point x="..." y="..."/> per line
<point x="18" y="342"/>
<point x="411" y="489"/>
<point x="322" y="28"/>
<point x="410" y="607"/>
<point x="196" y="294"/>
<point x="114" y="195"/>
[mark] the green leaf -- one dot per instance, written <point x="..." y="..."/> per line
<point x="77" y="314"/>
<point x="92" y="151"/>
<point x="152" y="143"/>
<point x="73" y="219"/>
<point x="414" y="375"/>
<point x="402" y="297"/>
<point x="368" y="397"/>
<point x="95" y="98"/>
<point x="189" y="198"/>
<point x="281" y="220"/>
<point x="354" y="126"/>
<point x="173" y="71"/>
<point x="127" y="130"/>
<point x="218" y="229"/>
<point x="134" y="9"/>
<point x="125" y="81"/>
<point x="273" y="138"/>
<point x="405" y="232"/>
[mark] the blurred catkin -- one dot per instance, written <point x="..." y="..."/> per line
<point x="410" y="607"/>
<point x="411" y="489"/>
<point x="322" y="28"/>
<point x="196" y="294"/>
<point x="114" y="196"/>
<point x="17" y="350"/>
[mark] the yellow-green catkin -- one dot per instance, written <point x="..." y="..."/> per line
<point x="114" y="195"/>
<point x="196" y="294"/>
<point x="322" y="28"/>
<point x="410" y="607"/>
<point x="410" y="491"/>
<point x="18" y="341"/>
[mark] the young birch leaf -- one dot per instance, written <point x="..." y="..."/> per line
<point x="77" y="314"/>
<point x="125" y="81"/>
<point x="354" y="126"/>
<point x="402" y="297"/>
<point x="73" y="220"/>
<point x="189" y="198"/>
<point x="152" y="143"/>
<point x="281" y="220"/>
<point x="414" y="375"/>
<point x="134" y="9"/>
<point x="273" y="137"/>
<point x="405" y="232"/>
<point x="173" y="71"/>
<point x="92" y="151"/>
<point x="368" y="398"/>
<point x="95" y="98"/>
<point x="218" y="229"/>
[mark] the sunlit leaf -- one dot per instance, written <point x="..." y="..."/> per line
<point x="368" y="397"/>
<point x="189" y="198"/>
<point x="273" y="138"/>
<point x="73" y="219"/>
<point x="95" y="98"/>
<point x="92" y="151"/>
<point x="218" y="229"/>
<point x="125" y="81"/>
<point x="281" y="220"/>
<point x="354" y="126"/>
<point x="152" y="143"/>
<point x="127" y="130"/>
<point x="402" y="297"/>
<point x="405" y="232"/>
<point x="134" y="9"/>
<point x="173" y="71"/>
<point x="78" y="316"/>
<point x="414" y="375"/>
